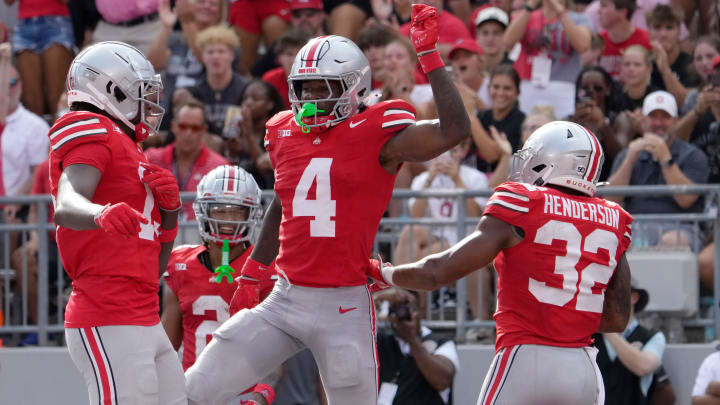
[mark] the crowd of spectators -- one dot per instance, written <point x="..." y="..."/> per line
<point x="643" y="76"/>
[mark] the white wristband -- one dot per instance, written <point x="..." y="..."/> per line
<point x="387" y="273"/>
<point x="99" y="213"/>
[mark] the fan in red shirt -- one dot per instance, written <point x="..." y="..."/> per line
<point x="335" y="163"/>
<point x="619" y="34"/>
<point x="116" y="219"/>
<point x="196" y="300"/>
<point x="562" y="273"/>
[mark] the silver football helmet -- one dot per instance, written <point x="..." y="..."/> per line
<point x="117" y="78"/>
<point x="561" y="153"/>
<point x="331" y="58"/>
<point x="224" y="188"/>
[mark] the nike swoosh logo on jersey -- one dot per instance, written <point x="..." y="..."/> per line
<point x="354" y="124"/>
<point x="342" y="311"/>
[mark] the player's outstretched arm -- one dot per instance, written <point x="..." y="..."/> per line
<point x="73" y="208"/>
<point x="171" y="317"/>
<point x="468" y="255"/>
<point x="427" y="139"/>
<point x="268" y="244"/>
<point x="616" y="308"/>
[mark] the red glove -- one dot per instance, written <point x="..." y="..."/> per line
<point x="120" y="219"/>
<point x="375" y="273"/>
<point x="247" y="294"/>
<point x="424" y="34"/>
<point x="163" y="185"/>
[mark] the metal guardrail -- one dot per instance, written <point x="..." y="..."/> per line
<point x="388" y="235"/>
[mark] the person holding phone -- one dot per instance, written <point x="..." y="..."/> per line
<point x="417" y="366"/>
<point x="593" y="96"/>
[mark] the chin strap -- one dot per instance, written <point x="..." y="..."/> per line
<point x="142" y="131"/>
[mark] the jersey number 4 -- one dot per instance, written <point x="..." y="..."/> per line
<point x="565" y="266"/>
<point x="322" y="208"/>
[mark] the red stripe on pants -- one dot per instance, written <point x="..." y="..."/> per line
<point x="499" y="375"/>
<point x="102" y="368"/>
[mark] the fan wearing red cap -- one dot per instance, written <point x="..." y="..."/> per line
<point x="466" y="59"/>
<point x="307" y="15"/>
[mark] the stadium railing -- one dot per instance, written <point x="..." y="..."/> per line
<point x="442" y="312"/>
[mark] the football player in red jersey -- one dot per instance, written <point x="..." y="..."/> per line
<point x="562" y="273"/>
<point x="335" y="162"/>
<point x="196" y="300"/>
<point x="116" y="219"/>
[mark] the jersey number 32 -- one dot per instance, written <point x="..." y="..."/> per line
<point x="565" y="266"/>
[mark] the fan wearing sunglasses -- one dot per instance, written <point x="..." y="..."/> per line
<point x="188" y="158"/>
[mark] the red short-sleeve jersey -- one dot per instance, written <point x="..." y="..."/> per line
<point x="611" y="58"/>
<point x="204" y="303"/>
<point x="115" y="279"/>
<point x="551" y="285"/>
<point x="333" y="192"/>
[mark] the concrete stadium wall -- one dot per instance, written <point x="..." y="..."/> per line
<point x="40" y="376"/>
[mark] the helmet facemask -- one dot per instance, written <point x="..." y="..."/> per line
<point x="228" y="206"/>
<point x="519" y="170"/>
<point x="151" y="112"/>
<point x="342" y="104"/>
<point x="219" y="221"/>
<point x="329" y="59"/>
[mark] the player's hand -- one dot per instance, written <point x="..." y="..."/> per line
<point x="375" y="272"/>
<point x="163" y="185"/>
<point x="246" y="296"/>
<point x="120" y="219"/>
<point x="424" y="31"/>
